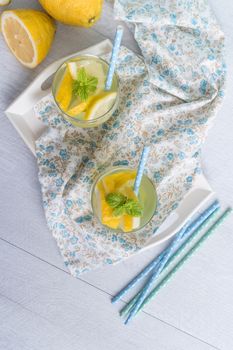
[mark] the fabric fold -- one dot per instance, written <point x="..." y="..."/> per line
<point x="168" y="98"/>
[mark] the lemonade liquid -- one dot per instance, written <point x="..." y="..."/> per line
<point x="97" y="105"/>
<point x="121" y="180"/>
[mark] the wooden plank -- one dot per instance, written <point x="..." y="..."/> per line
<point x="43" y="308"/>
<point x="22" y="329"/>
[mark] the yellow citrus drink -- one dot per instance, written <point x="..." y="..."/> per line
<point x="115" y="203"/>
<point x="78" y="90"/>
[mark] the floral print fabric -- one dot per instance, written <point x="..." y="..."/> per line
<point x="168" y="98"/>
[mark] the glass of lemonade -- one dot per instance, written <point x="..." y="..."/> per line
<point x="115" y="204"/>
<point x="79" y="91"/>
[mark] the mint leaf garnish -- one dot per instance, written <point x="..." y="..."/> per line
<point x="84" y="84"/>
<point x="119" y="211"/>
<point x="133" y="208"/>
<point x="115" y="199"/>
<point x="92" y="83"/>
<point x="123" y="205"/>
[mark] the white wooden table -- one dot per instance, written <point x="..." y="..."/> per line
<point x="41" y="306"/>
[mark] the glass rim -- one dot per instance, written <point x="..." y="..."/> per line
<point x="112" y="169"/>
<point x="93" y="121"/>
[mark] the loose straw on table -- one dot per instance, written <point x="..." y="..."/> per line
<point x="191" y="227"/>
<point x="196" y="246"/>
<point x="180" y="250"/>
<point x="113" y="60"/>
<point x="155" y="274"/>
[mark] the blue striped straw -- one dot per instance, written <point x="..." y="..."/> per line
<point x="196" y="246"/>
<point x="158" y="269"/>
<point x="141" y="166"/>
<point x="115" y="51"/>
<point x="190" y="229"/>
<point x="176" y="255"/>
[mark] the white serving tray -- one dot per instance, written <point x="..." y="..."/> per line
<point x="21" y="113"/>
<point x="30" y="128"/>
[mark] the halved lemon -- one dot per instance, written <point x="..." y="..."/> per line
<point x="4" y="2"/>
<point x="29" y="35"/>
<point x="100" y="105"/>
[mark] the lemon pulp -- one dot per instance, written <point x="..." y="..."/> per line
<point x="29" y="34"/>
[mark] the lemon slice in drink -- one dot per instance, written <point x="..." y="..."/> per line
<point x="129" y="223"/>
<point x="108" y="184"/>
<point x="100" y="105"/>
<point x="126" y="180"/>
<point x="29" y="35"/>
<point x="105" y="211"/>
<point x="73" y="69"/>
<point x="64" y="91"/>
<point x="95" y="69"/>
<point x="76" y="110"/>
<point x="75" y="66"/>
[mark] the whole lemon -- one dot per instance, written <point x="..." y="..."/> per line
<point x="74" y="12"/>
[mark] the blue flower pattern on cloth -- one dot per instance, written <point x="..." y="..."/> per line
<point x="168" y="98"/>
